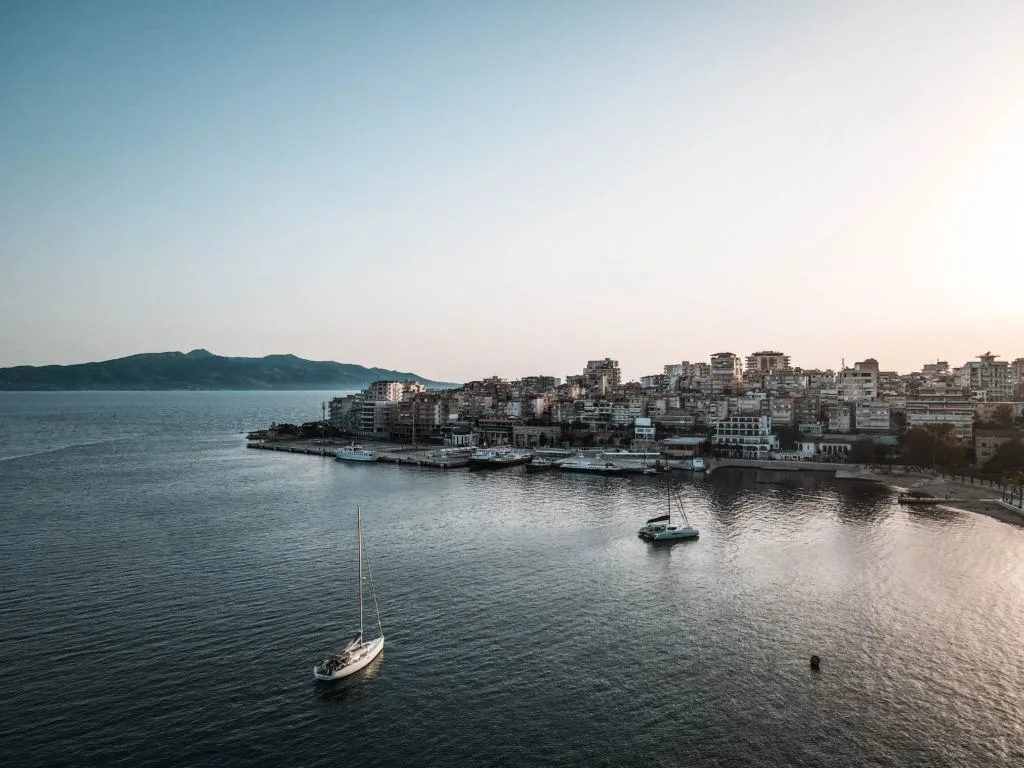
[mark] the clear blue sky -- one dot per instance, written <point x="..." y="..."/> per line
<point x="466" y="188"/>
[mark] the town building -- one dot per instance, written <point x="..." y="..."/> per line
<point x="745" y="436"/>
<point x="856" y="384"/>
<point x="385" y="391"/>
<point x="767" y="362"/>
<point x="726" y="372"/>
<point x="840" y="418"/>
<point x="643" y="429"/>
<point x="783" y="411"/>
<point x="601" y="375"/>
<point x="988" y="378"/>
<point x="958" y="413"/>
<point x="1017" y="371"/>
<point x="873" y="416"/>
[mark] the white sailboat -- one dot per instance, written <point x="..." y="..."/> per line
<point x="660" y="528"/>
<point x="359" y="651"/>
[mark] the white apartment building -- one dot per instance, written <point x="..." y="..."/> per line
<point x="855" y="385"/>
<point x="643" y="428"/>
<point x="988" y="379"/>
<point x="385" y="391"/>
<point x="726" y="371"/>
<point x="750" y="436"/>
<point x="873" y="416"/>
<point x="625" y="413"/>
<point x="956" y="412"/>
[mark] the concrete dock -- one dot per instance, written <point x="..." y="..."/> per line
<point x="388" y="454"/>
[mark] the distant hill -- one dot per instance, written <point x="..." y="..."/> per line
<point x="200" y="369"/>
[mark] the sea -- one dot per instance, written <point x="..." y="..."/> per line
<point x="165" y="593"/>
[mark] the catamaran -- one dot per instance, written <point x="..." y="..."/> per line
<point x="660" y="528"/>
<point x="359" y="651"/>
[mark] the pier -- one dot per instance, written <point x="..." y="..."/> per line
<point x="387" y="454"/>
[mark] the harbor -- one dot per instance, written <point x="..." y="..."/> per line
<point x="580" y="460"/>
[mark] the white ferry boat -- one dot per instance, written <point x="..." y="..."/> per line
<point x="355" y="453"/>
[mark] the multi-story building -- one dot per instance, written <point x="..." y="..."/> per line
<point x="385" y="391"/>
<point x="726" y="372"/>
<point x="562" y="411"/>
<point x="988" y="378"/>
<point x="806" y="409"/>
<point x="538" y="384"/>
<point x="783" y="411"/>
<point x="747" y="436"/>
<point x="989" y="412"/>
<point x="840" y="418"/>
<point x="856" y="385"/>
<point x="785" y="381"/>
<point x="657" y="382"/>
<point x="344" y="412"/>
<point x="767" y="362"/>
<point x="958" y="413"/>
<point x="601" y="375"/>
<point x="1017" y="371"/>
<point x="625" y="412"/>
<point x="873" y="416"/>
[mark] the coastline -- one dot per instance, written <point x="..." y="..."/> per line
<point x="963" y="497"/>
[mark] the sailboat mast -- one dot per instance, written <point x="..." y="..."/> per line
<point x="668" y="491"/>
<point x="359" y="549"/>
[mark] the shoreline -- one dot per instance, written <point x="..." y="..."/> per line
<point x="960" y="497"/>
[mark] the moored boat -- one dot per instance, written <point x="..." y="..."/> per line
<point x="355" y="453"/>
<point x="495" y="458"/>
<point x="540" y="465"/>
<point x="660" y="528"/>
<point x="596" y="466"/>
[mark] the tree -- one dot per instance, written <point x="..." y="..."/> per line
<point x="1007" y="460"/>
<point x="899" y="420"/>
<point x="933" y="446"/>
<point x="863" y="452"/>
<point x="1003" y="415"/>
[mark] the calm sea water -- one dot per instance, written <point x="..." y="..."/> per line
<point x="164" y="593"/>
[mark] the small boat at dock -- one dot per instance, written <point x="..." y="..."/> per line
<point x="596" y="466"/>
<point x="355" y="453"/>
<point x="540" y="465"/>
<point x="496" y="458"/>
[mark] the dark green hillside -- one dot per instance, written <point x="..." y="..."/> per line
<point x="199" y="369"/>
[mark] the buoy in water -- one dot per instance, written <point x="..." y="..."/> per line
<point x="815" y="662"/>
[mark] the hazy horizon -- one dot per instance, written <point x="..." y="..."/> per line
<point x="465" y="190"/>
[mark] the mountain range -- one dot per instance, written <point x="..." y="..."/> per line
<point x="200" y="370"/>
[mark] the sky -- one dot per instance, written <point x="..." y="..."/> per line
<point x="466" y="189"/>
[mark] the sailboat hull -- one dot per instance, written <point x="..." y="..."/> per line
<point x="366" y="653"/>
